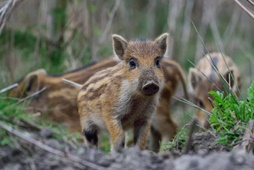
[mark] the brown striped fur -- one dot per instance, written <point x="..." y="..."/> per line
<point x="58" y="101"/>
<point x="163" y="127"/>
<point x="124" y="96"/>
<point x="203" y="74"/>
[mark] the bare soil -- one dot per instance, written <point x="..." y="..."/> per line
<point x="204" y="153"/>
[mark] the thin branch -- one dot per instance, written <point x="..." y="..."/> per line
<point x="251" y="2"/>
<point x="190" y="137"/>
<point x="32" y="95"/>
<point x="9" y="88"/>
<point x="110" y="21"/>
<point x="245" y="9"/>
<point x="49" y="149"/>
<point x="3" y="13"/>
<point x="31" y="125"/>
<point x="6" y="10"/>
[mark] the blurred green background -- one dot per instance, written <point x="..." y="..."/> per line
<point x="60" y="35"/>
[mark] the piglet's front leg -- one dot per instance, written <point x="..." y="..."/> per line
<point x="116" y="133"/>
<point x="141" y="130"/>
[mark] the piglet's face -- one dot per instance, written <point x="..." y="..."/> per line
<point x="142" y="62"/>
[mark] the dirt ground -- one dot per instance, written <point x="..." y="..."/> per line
<point x="47" y="153"/>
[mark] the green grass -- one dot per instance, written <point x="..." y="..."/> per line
<point x="230" y="116"/>
<point x="11" y="113"/>
<point x="178" y="142"/>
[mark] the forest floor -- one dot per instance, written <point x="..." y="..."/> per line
<point x="36" y="148"/>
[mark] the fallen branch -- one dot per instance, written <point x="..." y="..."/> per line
<point x="245" y="9"/>
<point x="49" y="149"/>
<point x="9" y="88"/>
<point x="31" y="125"/>
<point x="251" y="2"/>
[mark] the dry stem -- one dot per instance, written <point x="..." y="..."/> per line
<point x="49" y="149"/>
<point x="245" y="9"/>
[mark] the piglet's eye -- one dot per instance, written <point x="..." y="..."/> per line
<point x="200" y="104"/>
<point x="157" y="61"/>
<point x="133" y="63"/>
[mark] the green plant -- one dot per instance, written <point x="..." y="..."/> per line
<point x="178" y="142"/>
<point x="12" y="112"/>
<point x="230" y="116"/>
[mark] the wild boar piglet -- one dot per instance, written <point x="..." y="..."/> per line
<point x="126" y="95"/>
<point x="203" y="79"/>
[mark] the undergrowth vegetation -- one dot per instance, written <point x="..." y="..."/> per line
<point x="13" y="114"/>
<point x="178" y="142"/>
<point x="10" y="113"/>
<point x="230" y="117"/>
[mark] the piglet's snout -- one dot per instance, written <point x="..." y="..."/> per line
<point x="150" y="88"/>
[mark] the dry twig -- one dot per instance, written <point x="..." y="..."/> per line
<point x="31" y="125"/>
<point x="190" y="139"/>
<point x="5" y="12"/>
<point x="49" y="149"/>
<point x="9" y="88"/>
<point x="251" y="2"/>
<point x="245" y="9"/>
<point x="32" y="95"/>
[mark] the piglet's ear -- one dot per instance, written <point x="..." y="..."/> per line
<point x="29" y="84"/>
<point x="119" y="45"/>
<point x="32" y="81"/>
<point x="194" y="78"/>
<point x="162" y="42"/>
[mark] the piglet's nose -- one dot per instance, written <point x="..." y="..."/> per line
<point x="150" y="88"/>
